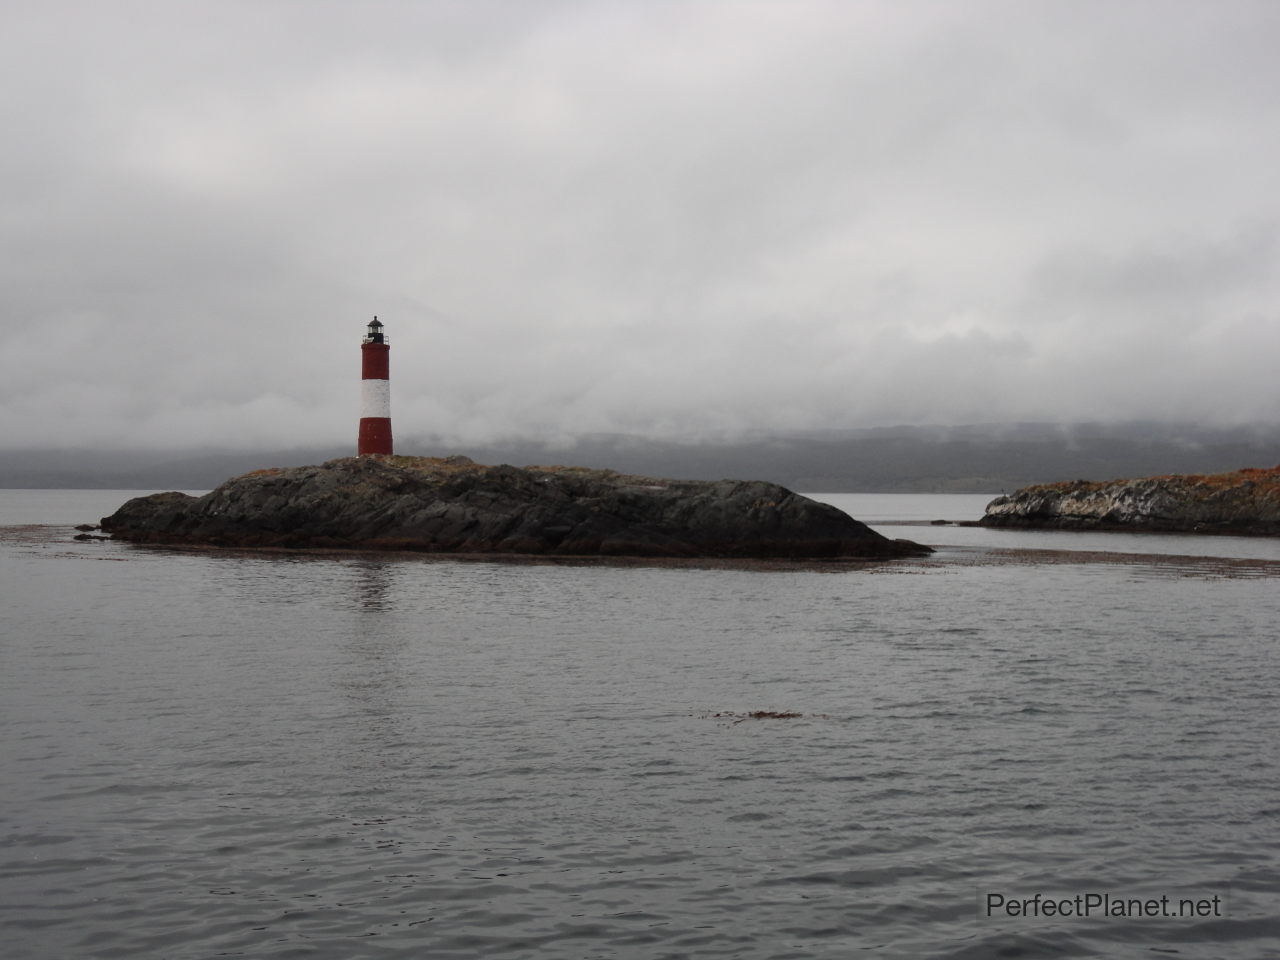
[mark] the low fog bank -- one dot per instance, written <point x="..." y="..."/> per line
<point x="986" y="458"/>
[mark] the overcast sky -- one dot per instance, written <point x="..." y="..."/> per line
<point x="665" y="218"/>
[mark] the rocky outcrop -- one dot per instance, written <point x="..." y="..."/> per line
<point x="1244" y="502"/>
<point x="454" y="505"/>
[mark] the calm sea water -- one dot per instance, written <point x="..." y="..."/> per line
<point x="212" y="755"/>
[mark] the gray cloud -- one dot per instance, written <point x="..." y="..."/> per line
<point x="655" y="217"/>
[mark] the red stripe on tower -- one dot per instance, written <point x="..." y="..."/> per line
<point x="375" y="394"/>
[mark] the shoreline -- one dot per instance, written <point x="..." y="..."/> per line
<point x="1101" y="528"/>
<point x="947" y="556"/>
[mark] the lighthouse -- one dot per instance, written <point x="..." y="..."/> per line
<point x="375" y="394"/>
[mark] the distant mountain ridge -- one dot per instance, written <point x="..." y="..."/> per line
<point x="981" y="458"/>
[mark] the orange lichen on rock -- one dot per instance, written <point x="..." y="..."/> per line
<point x="1268" y="476"/>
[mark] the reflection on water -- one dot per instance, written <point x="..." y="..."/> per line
<point x="373" y="577"/>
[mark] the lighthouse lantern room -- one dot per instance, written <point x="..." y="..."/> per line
<point x="375" y="393"/>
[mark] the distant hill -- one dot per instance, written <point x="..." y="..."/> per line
<point x="984" y="458"/>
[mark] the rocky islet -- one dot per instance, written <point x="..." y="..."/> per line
<point x="1244" y="501"/>
<point x="453" y="505"/>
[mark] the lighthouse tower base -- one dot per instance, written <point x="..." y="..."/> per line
<point x="375" y="437"/>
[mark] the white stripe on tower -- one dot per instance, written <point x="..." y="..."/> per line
<point x="375" y="399"/>
<point x="375" y="394"/>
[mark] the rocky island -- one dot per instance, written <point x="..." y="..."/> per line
<point x="453" y="505"/>
<point x="1243" y="502"/>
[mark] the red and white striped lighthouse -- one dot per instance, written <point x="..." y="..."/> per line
<point x="375" y="394"/>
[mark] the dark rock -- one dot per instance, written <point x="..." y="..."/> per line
<point x="1244" y="502"/>
<point x="939" y="523"/>
<point x="87" y="526"/>
<point x="455" y="505"/>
